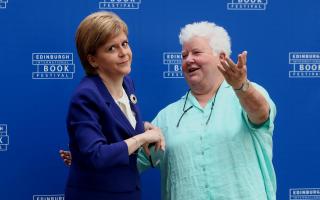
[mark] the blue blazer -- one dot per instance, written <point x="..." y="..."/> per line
<point x="101" y="167"/>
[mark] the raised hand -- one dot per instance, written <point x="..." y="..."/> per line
<point x="234" y="74"/>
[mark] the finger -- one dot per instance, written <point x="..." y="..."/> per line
<point x="62" y="155"/>
<point x="229" y="69"/>
<point x="223" y="72"/>
<point x="242" y="59"/>
<point x="67" y="162"/>
<point x="66" y="155"/>
<point x="146" y="149"/>
<point x="224" y="65"/>
<point x="61" y="152"/>
<point x="163" y="144"/>
<point x="230" y="62"/>
<point x="245" y="53"/>
<point x="157" y="147"/>
<point x="147" y="126"/>
<point x="231" y="65"/>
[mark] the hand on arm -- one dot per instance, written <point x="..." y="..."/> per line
<point x="151" y="135"/>
<point x="252" y="101"/>
<point x="66" y="157"/>
<point x="158" y="145"/>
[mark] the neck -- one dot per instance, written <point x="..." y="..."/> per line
<point x="204" y="93"/>
<point x="113" y="84"/>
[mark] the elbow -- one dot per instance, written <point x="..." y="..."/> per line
<point x="97" y="165"/>
<point x="263" y="116"/>
<point x="94" y="162"/>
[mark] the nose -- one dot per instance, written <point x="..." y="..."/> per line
<point x="189" y="58"/>
<point x="122" y="51"/>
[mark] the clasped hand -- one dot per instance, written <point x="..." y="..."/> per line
<point x="154" y="137"/>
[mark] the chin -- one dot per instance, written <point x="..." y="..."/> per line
<point x="126" y="70"/>
<point x="194" y="80"/>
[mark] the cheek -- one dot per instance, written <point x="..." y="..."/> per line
<point x="129" y="52"/>
<point x="184" y="66"/>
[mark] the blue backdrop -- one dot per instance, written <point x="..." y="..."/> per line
<point x="39" y="69"/>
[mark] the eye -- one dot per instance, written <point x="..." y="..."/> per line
<point x="184" y="55"/>
<point x="196" y="52"/>
<point x="125" y="44"/>
<point x="112" y="48"/>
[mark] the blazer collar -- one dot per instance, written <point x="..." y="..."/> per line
<point x="120" y="118"/>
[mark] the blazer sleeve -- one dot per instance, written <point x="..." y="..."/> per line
<point x="86" y="135"/>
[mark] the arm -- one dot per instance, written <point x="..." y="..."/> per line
<point x="153" y="135"/>
<point x="86" y="136"/>
<point x="254" y="103"/>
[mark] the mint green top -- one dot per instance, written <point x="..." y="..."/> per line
<point x="228" y="159"/>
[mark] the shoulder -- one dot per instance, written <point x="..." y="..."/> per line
<point x="128" y="82"/>
<point x="87" y="89"/>
<point x="173" y="106"/>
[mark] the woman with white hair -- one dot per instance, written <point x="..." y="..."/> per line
<point x="219" y="134"/>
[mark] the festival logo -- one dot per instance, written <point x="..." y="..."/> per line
<point x="3" y="4"/>
<point x="4" y="138"/>
<point x="304" y="64"/>
<point x="304" y="194"/>
<point x="247" y="5"/>
<point x="174" y="62"/>
<point x="49" y="197"/>
<point x="53" y="66"/>
<point x="119" y="4"/>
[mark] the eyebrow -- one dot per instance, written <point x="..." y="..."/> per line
<point x="196" y="49"/>
<point x="115" y="43"/>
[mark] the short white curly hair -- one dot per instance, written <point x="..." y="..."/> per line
<point x="219" y="39"/>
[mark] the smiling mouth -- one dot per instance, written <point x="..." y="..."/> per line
<point x="124" y="62"/>
<point x="192" y="70"/>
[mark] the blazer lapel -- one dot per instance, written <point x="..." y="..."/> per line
<point x="134" y="108"/>
<point x="119" y="116"/>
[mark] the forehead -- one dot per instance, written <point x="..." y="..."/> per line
<point x="196" y="43"/>
<point x="120" y="37"/>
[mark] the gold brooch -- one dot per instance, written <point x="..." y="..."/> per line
<point x="133" y="98"/>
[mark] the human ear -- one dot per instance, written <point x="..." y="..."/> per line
<point x="222" y="55"/>
<point x="92" y="60"/>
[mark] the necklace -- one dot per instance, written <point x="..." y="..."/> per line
<point x="186" y="110"/>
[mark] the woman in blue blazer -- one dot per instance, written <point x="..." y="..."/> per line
<point x="104" y="123"/>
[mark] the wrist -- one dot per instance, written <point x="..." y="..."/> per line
<point x="237" y="87"/>
<point x="141" y="138"/>
<point x="138" y="140"/>
<point x="244" y="86"/>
